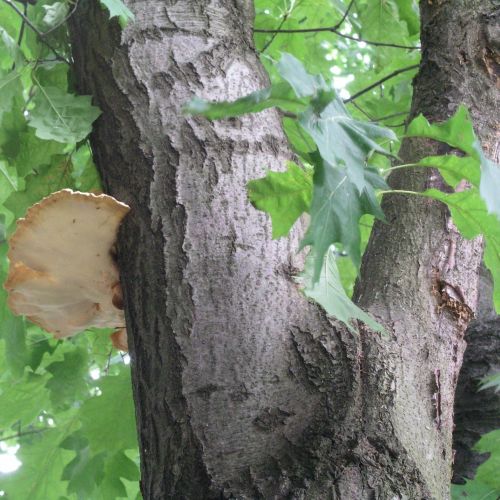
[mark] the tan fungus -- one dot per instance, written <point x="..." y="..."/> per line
<point x="63" y="276"/>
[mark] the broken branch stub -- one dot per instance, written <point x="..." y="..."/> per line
<point x="63" y="276"/>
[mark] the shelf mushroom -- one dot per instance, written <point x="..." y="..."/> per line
<point x="63" y="276"/>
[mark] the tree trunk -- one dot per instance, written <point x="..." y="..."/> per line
<point x="477" y="412"/>
<point x="243" y="389"/>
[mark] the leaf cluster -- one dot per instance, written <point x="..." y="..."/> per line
<point x="66" y="407"/>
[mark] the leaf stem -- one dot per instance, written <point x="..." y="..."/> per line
<point x="405" y="165"/>
<point x="400" y="191"/>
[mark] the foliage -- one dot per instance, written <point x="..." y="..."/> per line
<point x="491" y="381"/>
<point x="66" y="404"/>
<point x="345" y="183"/>
<point x="345" y="93"/>
<point x="486" y="483"/>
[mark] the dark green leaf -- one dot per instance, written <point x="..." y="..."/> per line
<point x="345" y="142"/>
<point x="279" y="95"/>
<point x="336" y="209"/>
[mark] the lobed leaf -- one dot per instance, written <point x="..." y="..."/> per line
<point x="328" y="292"/>
<point x="470" y="215"/>
<point x="336" y="209"/>
<point x="458" y="132"/>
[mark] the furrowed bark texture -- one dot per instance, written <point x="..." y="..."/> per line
<point x="477" y="412"/>
<point x="420" y="250"/>
<point x="229" y="360"/>
<point x="243" y="389"/>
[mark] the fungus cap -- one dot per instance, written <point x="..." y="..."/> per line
<point x="62" y="275"/>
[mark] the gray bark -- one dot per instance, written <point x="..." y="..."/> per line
<point x="243" y="389"/>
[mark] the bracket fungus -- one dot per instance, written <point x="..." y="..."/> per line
<point x="63" y="276"/>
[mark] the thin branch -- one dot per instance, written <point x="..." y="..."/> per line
<point x="401" y="113"/>
<point x="23" y="433"/>
<point x="271" y="40"/>
<point x="39" y="34"/>
<point x="23" y="24"/>
<point x="379" y="82"/>
<point x="344" y="17"/>
<point x="334" y="29"/>
<point x="21" y="33"/>
<point x="359" y="108"/>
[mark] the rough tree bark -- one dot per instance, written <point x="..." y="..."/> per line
<point x="477" y="412"/>
<point x="243" y="389"/>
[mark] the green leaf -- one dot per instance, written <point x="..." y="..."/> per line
<point x="279" y="95"/>
<point x="336" y="209"/>
<point x="34" y="153"/>
<point x="22" y="401"/>
<point x="117" y="8"/>
<point x="328" y="292"/>
<point x="84" y="473"/>
<point x="285" y="196"/>
<point x="39" y="478"/>
<point x="13" y="332"/>
<point x="118" y="466"/>
<point x="470" y="215"/>
<point x="46" y="180"/>
<point x="60" y="116"/>
<point x="454" y="168"/>
<point x="68" y="382"/>
<point x="491" y="381"/>
<point x="459" y="133"/>
<point x="9" y="45"/>
<point x="108" y="421"/>
<point x="380" y="22"/>
<point x="302" y="83"/>
<point x="345" y="142"/>
<point x="55" y="14"/>
<point x="486" y="483"/>
<point x="408" y="12"/>
<point x="9" y="89"/>
<point x="84" y="172"/>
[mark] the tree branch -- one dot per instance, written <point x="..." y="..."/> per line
<point x="285" y="17"/>
<point x="38" y="33"/>
<point x="23" y="433"/>
<point x="334" y="29"/>
<point x="382" y="80"/>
